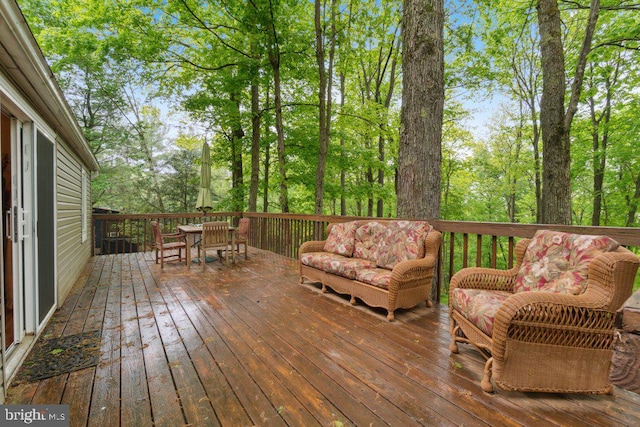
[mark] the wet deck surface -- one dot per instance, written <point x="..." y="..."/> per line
<point x="246" y="344"/>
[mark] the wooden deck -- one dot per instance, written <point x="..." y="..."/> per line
<point x="248" y="345"/>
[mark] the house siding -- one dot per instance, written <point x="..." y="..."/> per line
<point x="73" y="253"/>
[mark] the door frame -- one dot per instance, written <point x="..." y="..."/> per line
<point x="21" y="114"/>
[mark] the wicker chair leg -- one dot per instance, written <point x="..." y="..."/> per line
<point x="324" y="288"/>
<point x="352" y="300"/>
<point x="429" y="303"/>
<point x="390" y="316"/>
<point x="486" y="377"/>
<point x="453" y="345"/>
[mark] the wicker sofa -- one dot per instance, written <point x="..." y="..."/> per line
<point x="384" y="263"/>
<point x="547" y="324"/>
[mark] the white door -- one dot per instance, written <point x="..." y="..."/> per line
<point x="17" y="203"/>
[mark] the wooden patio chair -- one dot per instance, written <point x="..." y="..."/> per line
<point x="242" y="235"/>
<point x="161" y="244"/>
<point x="215" y="235"/>
<point x="547" y="324"/>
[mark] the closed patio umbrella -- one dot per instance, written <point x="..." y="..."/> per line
<point x="204" y="203"/>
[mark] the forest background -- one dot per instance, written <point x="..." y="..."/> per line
<point x="150" y="80"/>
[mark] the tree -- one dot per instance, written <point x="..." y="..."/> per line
<point x="555" y="120"/>
<point x="511" y="42"/>
<point x="325" y="73"/>
<point x="419" y="153"/>
<point x="179" y="184"/>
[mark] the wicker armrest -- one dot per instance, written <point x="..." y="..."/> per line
<point x="554" y="319"/>
<point x="407" y="274"/>
<point x="312" y="246"/>
<point x="611" y="277"/>
<point x="490" y="278"/>
<point x="411" y="273"/>
<point x="484" y="278"/>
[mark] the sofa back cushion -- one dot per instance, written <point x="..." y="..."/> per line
<point x="341" y="239"/>
<point x="559" y="262"/>
<point x="403" y="240"/>
<point x="368" y="240"/>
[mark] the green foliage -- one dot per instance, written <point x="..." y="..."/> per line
<point x="125" y="65"/>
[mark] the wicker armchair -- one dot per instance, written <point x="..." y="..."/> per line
<point x="558" y="338"/>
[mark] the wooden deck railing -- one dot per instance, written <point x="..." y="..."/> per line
<point x="119" y="233"/>
<point x="464" y="243"/>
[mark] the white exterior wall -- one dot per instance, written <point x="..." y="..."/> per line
<point x="73" y="249"/>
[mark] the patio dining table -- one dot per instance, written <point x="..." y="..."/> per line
<point x="193" y="230"/>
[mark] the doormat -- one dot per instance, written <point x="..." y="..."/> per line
<point x="56" y="356"/>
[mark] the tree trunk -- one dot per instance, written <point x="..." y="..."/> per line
<point x="267" y="156"/>
<point x="237" y="178"/>
<point x="555" y="123"/>
<point x="556" y="161"/>
<point x="274" y="60"/>
<point x="393" y="55"/>
<point x="632" y="203"/>
<point x="600" y="143"/>
<point x="419" y="153"/>
<point x="536" y="164"/>
<point x="343" y="198"/>
<point x="324" y="99"/>
<point x="255" y="146"/>
<point x="380" y="207"/>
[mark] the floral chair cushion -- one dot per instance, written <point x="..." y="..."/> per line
<point x="478" y="306"/>
<point x="368" y="239"/>
<point x="379" y="277"/>
<point x="559" y="262"/>
<point x="341" y="239"/>
<point x="404" y="240"/>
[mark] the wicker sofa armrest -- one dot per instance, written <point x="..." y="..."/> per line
<point x="312" y="246"/>
<point x="410" y="273"/>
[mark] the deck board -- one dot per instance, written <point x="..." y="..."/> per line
<point x="246" y="344"/>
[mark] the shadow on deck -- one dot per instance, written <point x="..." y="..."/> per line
<point x="248" y="345"/>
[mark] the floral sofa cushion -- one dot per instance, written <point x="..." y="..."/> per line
<point x="559" y="262"/>
<point x="341" y="239"/>
<point x="348" y="267"/>
<point x="478" y="306"/>
<point x="335" y="264"/>
<point x="403" y="240"/>
<point x="368" y="239"/>
<point x="379" y="277"/>
<point x="319" y="260"/>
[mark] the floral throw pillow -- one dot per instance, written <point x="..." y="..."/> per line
<point x="369" y="237"/>
<point x="404" y="240"/>
<point x="341" y="239"/>
<point x="559" y="262"/>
